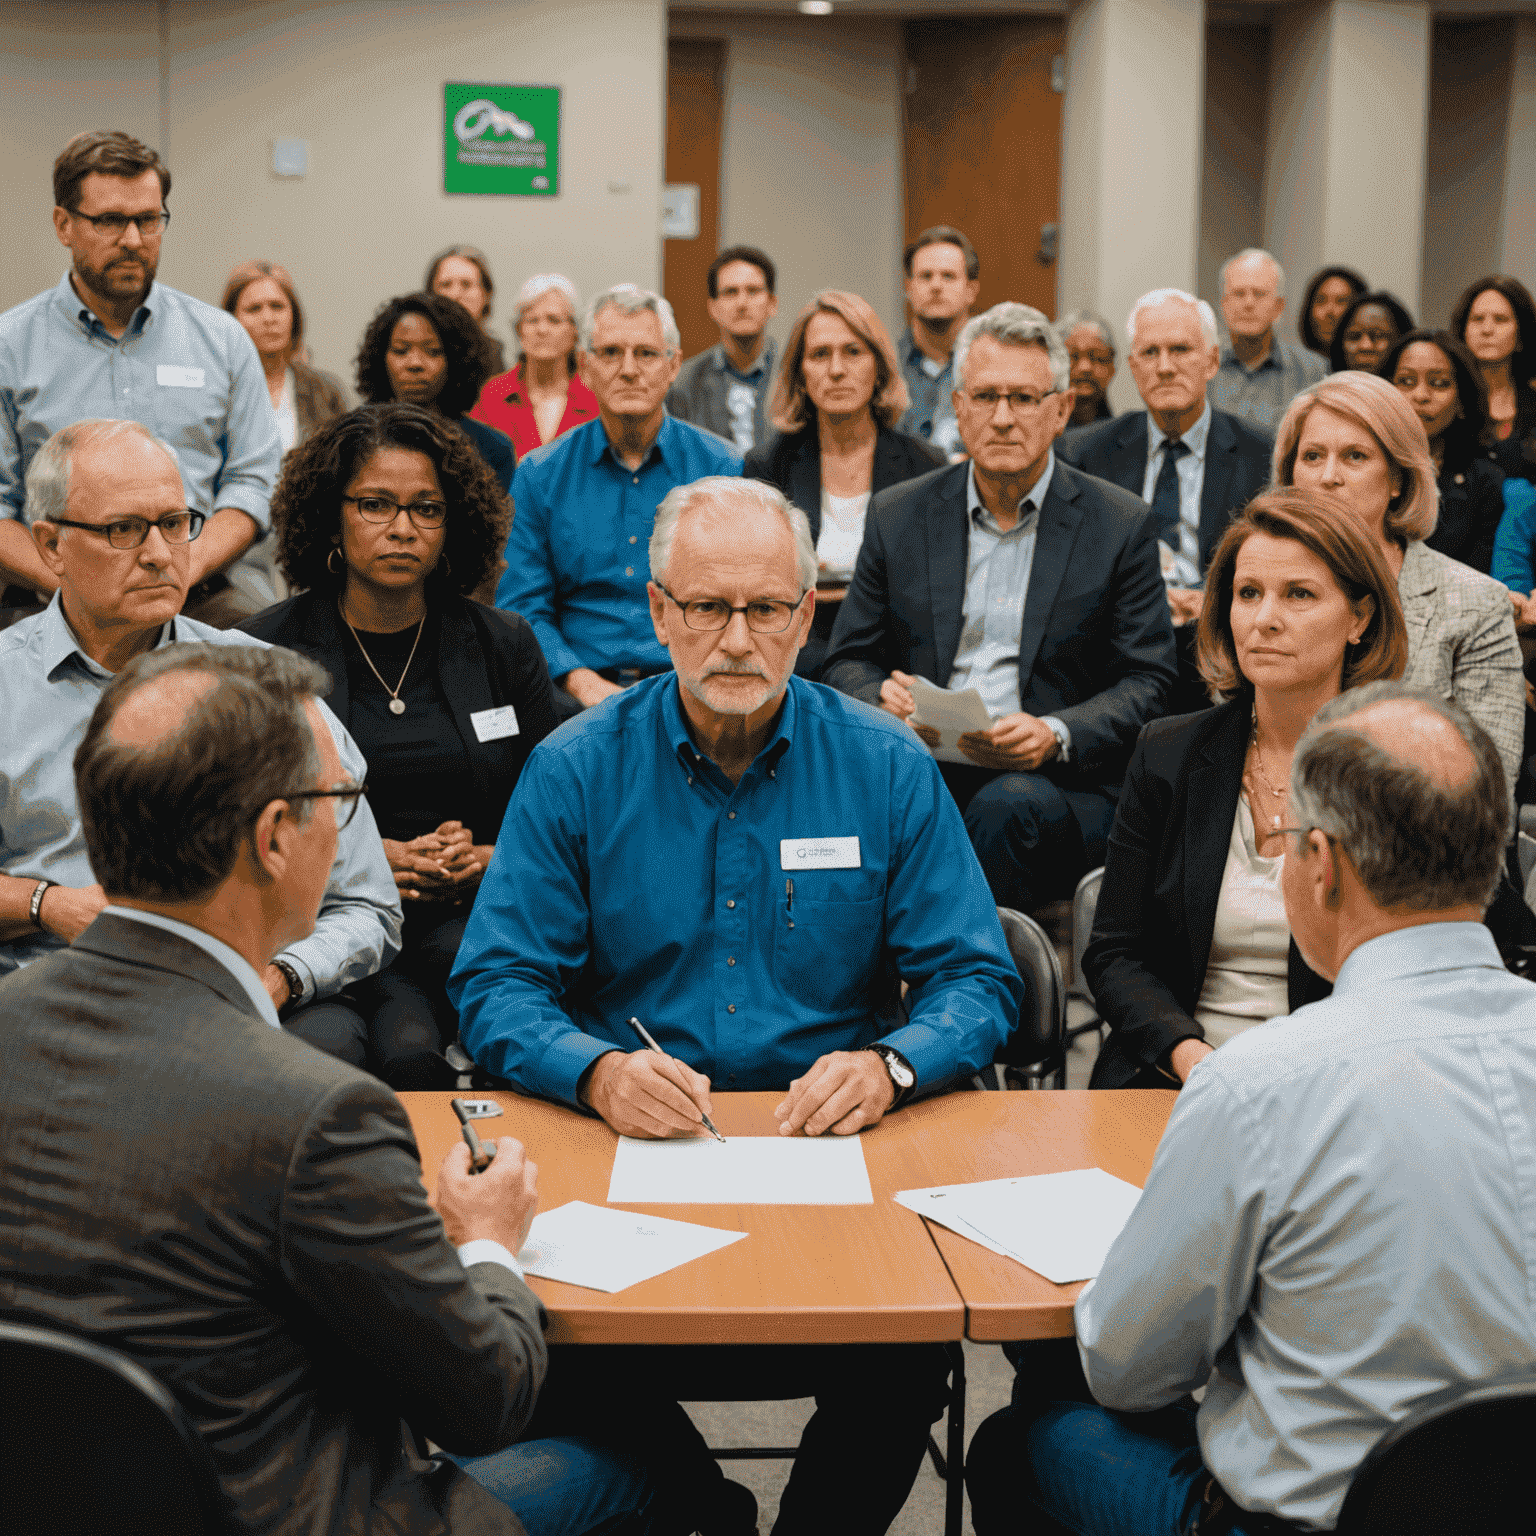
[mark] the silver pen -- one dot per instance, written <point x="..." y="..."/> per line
<point x="645" y="1034"/>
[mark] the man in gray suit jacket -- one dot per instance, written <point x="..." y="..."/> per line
<point x="183" y="1180"/>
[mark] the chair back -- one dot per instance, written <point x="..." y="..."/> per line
<point x="90" y="1441"/>
<point x="1457" y="1463"/>
<point x="1035" y="1051"/>
<point x="1085" y="902"/>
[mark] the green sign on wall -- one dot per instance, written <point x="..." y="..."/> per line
<point x="501" y="140"/>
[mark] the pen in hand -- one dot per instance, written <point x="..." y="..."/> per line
<point x="479" y="1158"/>
<point x="645" y="1034"/>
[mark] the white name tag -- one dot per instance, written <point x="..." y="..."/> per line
<point x="818" y="853"/>
<point x="170" y="376"/>
<point x="493" y="724"/>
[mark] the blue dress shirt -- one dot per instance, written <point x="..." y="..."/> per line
<point x="632" y="878"/>
<point x="577" y="560"/>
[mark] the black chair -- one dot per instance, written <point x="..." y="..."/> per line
<point x="1456" y="1464"/>
<point x="1085" y="903"/>
<point x="91" y="1443"/>
<point x="1034" y="1055"/>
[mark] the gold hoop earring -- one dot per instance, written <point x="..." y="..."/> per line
<point x="334" y="570"/>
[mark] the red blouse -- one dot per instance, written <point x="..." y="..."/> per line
<point x="504" y="404"/>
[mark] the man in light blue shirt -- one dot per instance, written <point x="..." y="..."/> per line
<point x="1340" y="1221"/>
<point x="110" y="342"/>
<point x="90" y="491"/>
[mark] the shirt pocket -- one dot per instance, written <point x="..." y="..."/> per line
<point x="826" y="953"/>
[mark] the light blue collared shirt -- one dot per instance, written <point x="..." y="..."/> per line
<point x="48" y="689"/>
<point x="1340" y="1220"/>
<point x="1191" y="472"/>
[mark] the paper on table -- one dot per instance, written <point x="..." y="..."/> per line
<point x="605" y="1250"/>
<point x="951" y="714"/>
<point x="745" y="1170"/>
<point x="1060" y="1225"/>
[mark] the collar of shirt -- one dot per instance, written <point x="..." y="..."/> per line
<point x="664" y="449"/>
<point x="1415" y="951"/>
<point x="763" y="365"/>
<point x="1029" y="507"/>
<point x="83" y="317"/>
<point x="232" y="961"/>
<point x="1194" y="439"/>
<point x="59" y="641"/>
<point x="675" y="723"/>
<point x="1230" y="359"/>
<point x="914" y="356"/>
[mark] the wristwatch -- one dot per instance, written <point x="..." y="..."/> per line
<point x="903" y="1078"/>
<point x="40" y="890"/>
<point x="295" y="985"/>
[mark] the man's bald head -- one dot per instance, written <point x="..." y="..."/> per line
<point x="159" y="710"/>
<point x="1418" y="736"/>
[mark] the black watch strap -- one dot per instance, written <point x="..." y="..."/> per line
<point x="295" y="985"/>
<point x="892" y="1058"/>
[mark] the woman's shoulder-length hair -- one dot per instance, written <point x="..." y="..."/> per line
<point x="249" y="272"/>
<point x="790" y="409"/>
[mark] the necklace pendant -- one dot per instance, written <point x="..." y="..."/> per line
<point x="396" y="707"/>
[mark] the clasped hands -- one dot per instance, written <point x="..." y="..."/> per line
<point x="1017" y="741"/>
<point x="657" y="1097"/>
<point x="438" y="866"/>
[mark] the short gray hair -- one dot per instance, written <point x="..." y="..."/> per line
<point x="747" y="494"/>
<point x="535" y="289"/>
<point x="1414" y="841"/>
<point x="1081" y="317"/>
<point x="1014" y="325"/>
<point x="48" y="473"/>
<point x="1248" y="255"/>
<point x="1208" y="332"/>
<point x="630" y="300"/>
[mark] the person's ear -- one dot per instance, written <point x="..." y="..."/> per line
<point x="1365" y="611"/>
<point x="1327" y="875"/>
<point x="272" y="836"/>
<point x="61" y="221"/>
<point x="45" y="536"/>
<point x="806" y="618"/>
<point x="658" y="600"/>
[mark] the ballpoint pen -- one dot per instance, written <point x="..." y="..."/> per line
<point x="479" y="1158"/>
<point x="645" y="1034"/>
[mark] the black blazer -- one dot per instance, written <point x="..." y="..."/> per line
<point x="485" y="659"/>
<point x="266" y="1250"/>
<point x="1162" y="877"/>
<point x="792" y="462"/>
<point x="1471" y="504"/>
<point x="494" y="447"/>
<point x="1096" y="648"/>
<point x="1237" y="462"/>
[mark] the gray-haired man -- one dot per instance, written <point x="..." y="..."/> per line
<point x="1090" y="343"/>
<point x="1260" y="374"/>
<point x="586" y="502"/>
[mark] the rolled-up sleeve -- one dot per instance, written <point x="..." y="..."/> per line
<point x="252" y="448"/>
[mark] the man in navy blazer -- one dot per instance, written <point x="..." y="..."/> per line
<point x="1035" y="584"/>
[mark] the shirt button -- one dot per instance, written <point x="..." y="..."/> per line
<point x="730" y="959"/>
<point x="636" y="480"/>
<point x="633" y="539"/>
<point x="730" y="903"/>
<point x="629" y="570"/>
<point x="730" y="1007"/>
<point x="730" y="815"/>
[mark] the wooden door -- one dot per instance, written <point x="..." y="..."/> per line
<point x="695" y="111"/>
<point x="983" y="145"/>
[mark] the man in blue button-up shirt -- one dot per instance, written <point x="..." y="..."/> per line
<point x="586" y="502"/>
<point x="750" y="864"/>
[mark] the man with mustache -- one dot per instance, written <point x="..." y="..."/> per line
<point x="751" y="865"/>
<point x="108" y="341"/>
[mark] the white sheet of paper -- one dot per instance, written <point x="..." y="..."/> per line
<point x="1060" y="1225"/>
<point x="951" y="714"/>
<point x="745" y="1170"/>
<point x="604" y="1250"/>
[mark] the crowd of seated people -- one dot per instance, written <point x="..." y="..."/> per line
<point x="568" y="619"/>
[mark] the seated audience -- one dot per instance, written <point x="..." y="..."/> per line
<point x="1326" y="299"/>
<point x="1496" y="317"/>
<point x="1440" y="380"/>
<point x="463" y="273"/>
<point x="1355" y="437"/>
<point x="1366" y="332"/>
<point x="109" y="515"/>
<point x="1090" y="344"/>
<point x="943" y="279"/>
<point x="655" y="899"/>
<point x="1190" y="946"/>
<point x="1514" y="548"/>
<point x="837" y="395"/>
<point x="586" y="503"/>
<point x="267" y="1250"/>
<point x="1038" y="586"/>
<point x="389" y="519"/>
<point x="541" y="397"/>
<point x="425" y="350"/>
<point x="1258" y="373"/>
<point x="1334" y="1229"/>
<point x="725" y="390"/>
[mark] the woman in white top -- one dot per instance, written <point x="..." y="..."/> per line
<point x="1190" y="945"/>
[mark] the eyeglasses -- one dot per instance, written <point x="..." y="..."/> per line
<point x="130" y="532"/>
<point x="765" y="615"/>
<point x="115" y="224"/>
<point x="645" y="357"/>
<point x="1020" y="401"/>
<point x="348" y="791"/>
<point x="384" y="509"/>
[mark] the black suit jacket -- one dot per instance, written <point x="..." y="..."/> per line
<point x="1162" y="878"/>
<point x="1096" y="647"/>
<point x="1471" y="504"/>
<point x="1237" y="464"/>
<point x="245" y="1217"/>
<point x="792" y="462"/>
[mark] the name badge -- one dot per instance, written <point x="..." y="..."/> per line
<point x="494" y="724"/>
<point x="818" y="853"/>
<point x="170" y="376"/>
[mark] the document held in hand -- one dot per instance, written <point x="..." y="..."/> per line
<point x="950" y="714"/>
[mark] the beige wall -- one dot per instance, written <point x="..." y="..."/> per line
<point x="1518" y="222"/>
<point x="361" y="80"/>
<point x="811" y="167"/>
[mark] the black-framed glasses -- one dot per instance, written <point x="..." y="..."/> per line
<point x="385" y="509"/>
<point x="348" y="791"/>
<point x="765" y="615"/>
<point x="116" y="224"/>
<point x="130" y="532"/>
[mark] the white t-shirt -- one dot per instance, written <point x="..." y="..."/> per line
<point x="842" y="532"/>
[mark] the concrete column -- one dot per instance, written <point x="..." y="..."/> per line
<point x="1348" y="126"/>
<point x="1132" y="123"/>
<point x="1519" y="222"/>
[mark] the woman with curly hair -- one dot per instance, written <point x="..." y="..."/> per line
<point x="389" y="518"/>
<point x="429" y="351"/>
